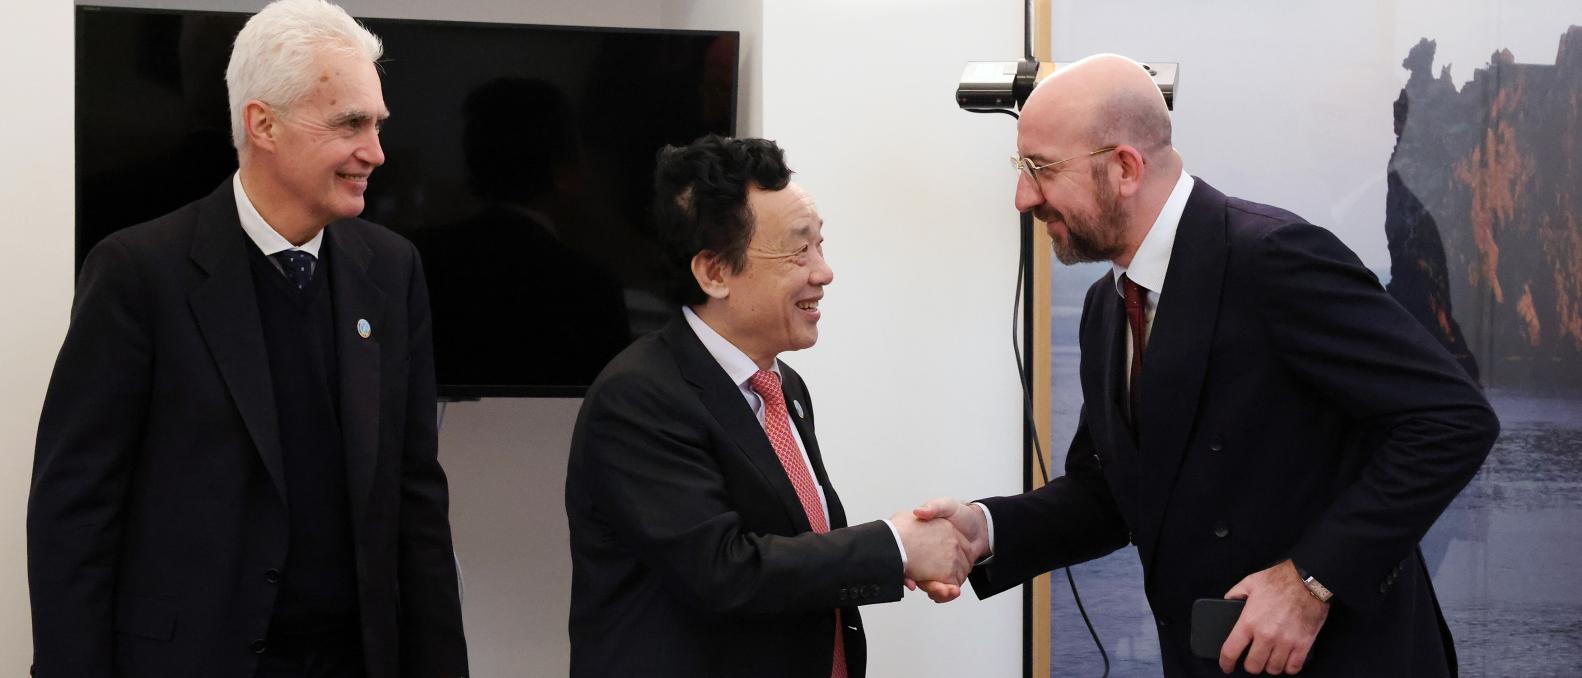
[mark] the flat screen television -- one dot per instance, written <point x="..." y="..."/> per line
<point x="519" y="159"/>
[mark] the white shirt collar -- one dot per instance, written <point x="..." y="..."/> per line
<point x="736" y="364"/>
<point x="262" y="234"/>
<point x="1153" y="255"/>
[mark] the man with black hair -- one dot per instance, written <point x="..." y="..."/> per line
<point x="706" y="539"/>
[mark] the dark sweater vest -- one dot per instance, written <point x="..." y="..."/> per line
<point x="318" y="584"/>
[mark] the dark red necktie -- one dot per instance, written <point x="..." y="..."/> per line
<point x="1135" y="297"/>
<point x="777" y="424"/>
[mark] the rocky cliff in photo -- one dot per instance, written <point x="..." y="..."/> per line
<point x="1484" y="213"/>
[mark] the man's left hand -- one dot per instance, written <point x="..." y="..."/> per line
<point x="1280" y="621"/>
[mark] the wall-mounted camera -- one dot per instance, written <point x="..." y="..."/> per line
<point x="1004" y="85"/>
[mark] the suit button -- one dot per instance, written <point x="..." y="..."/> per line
<point x="1221" y="530"/>
<point x="1384" y="587"/>
<point x="272" y="576"/>
<point x="845" y="594"/>
<point x="259" y="646"/>
<point x="873" y="590"/>
<point x="1216" y="446"/>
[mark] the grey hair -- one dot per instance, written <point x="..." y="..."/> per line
<point x="273" y="58"/>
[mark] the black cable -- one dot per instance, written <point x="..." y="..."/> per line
<point x="994" y="110"/>
<point x="1102" y="654"/>
<point x="1027" y="396"/>
<point x="1032" y="422"/>
<point x="1016" y="350"/>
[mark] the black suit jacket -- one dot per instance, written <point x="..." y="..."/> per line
<point x="1289" y="409"/>
<point x="690" y="553"/>
<point x="157" y="517"/>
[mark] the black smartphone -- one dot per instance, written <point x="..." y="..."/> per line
<point x="1212" y="620"/>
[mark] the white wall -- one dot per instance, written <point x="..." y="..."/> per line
<point x="916" y="329"/>
<point x="913" y="374"/>
<point x="35" y="282"/>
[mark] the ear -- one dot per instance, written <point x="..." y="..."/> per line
<point x="1129" y="170"/>
<point x="261" y="123"/>
<point x="709" y="270"/>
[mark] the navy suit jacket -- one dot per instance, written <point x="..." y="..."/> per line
<point x="690" y="552"/>
<point x="1289" y="409"/>
<point x="157" y="519"/>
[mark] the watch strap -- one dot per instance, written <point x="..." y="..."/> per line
<point x="1319" y="591"/>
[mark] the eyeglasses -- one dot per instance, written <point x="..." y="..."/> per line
<point x="1026" y="164"/>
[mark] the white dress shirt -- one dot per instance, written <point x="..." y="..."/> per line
<point x="1151" y="262"/>
<point x="741" y="369"/>
<point x="1148" y="269"/>
<point x="265" y="236"/>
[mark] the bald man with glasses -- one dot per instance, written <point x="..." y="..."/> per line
<point x="1259" y="417"/>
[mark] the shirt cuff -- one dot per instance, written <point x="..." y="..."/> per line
<point x="898" y="545"/>
<point x="988" y="524"/>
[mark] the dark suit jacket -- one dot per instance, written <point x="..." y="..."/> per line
<point x="690" y="553"/>
<point x="1289" y="409"/>
<point x="157" y="517"/>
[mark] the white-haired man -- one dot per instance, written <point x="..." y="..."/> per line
<point x="236" y="472"/>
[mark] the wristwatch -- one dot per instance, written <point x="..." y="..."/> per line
<point x="1319" y="591"/>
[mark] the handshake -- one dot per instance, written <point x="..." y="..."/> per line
<point x="942" y="539"/>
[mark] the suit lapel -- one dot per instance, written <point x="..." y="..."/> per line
<point x="1107" y="415"/>
<point x="1176" y="360"/>
<point x="226" y="309"/>
<point x="800" y="408"/>
<point x="724" y="401"/>
<point x="1114" y="361"/>
<point x="359" y="305"/>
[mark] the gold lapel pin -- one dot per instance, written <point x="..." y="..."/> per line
<point x="364" y="330"/>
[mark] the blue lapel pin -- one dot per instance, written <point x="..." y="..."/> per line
<point x="364" y="330"/>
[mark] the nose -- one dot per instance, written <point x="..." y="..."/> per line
<point x="371" y="151"/>
<point x="1027" y="194"/>
<point x="822" y="273"/>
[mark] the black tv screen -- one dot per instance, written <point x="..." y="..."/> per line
<point x="519" y="159"/>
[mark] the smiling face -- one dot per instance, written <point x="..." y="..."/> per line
<point x="314" y="157"/>
<point x="1076" y="200"/>
<point x="771" y="305"/>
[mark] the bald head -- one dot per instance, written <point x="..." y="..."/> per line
<point x="1105" y="112"/>
<point x="1102" y="100"/>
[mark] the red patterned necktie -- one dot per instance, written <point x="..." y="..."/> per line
<point x="777" y="424"/>
<point x="1136" y="316"/>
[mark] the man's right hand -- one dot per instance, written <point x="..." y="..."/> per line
<point x="935" y="551"/>
<point x="973" y="529"/>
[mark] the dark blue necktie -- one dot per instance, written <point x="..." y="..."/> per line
<point x="297" y="265"/>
